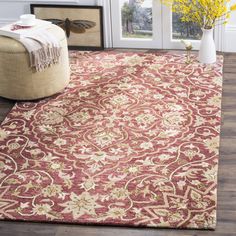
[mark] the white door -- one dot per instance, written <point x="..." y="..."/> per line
<point x="149" y="24"/>
<point x="136" y="24"/>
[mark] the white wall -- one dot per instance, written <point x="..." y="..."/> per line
<point x="230" y="34"/>
<point x="10" y="11"/>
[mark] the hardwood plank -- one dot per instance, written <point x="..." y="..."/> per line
<point x="24" y="229"/>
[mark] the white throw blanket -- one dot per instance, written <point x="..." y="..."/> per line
<point x="43" y="48"/>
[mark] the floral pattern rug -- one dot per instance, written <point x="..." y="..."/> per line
<point x="133" y="140"/>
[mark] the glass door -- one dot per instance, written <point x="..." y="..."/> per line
<point x="150" y="24"/>
<point x="136" y="23"/>
<point x="175" y="31"/>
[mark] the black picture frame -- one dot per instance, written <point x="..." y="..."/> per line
<point x="91" y="39"/>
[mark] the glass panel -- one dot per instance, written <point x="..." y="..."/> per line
<point x="136" y="18"/>
<point x="184" y="30"/>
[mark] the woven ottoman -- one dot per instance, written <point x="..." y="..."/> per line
<point x="18" y="81"/>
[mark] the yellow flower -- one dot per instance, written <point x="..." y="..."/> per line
<point x="205" y="13"/>
<point x="233" y="7"/>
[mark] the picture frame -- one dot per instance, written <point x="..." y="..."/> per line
<point x="83" y="25"/>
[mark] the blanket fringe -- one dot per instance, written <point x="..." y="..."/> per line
<point x="43" y="48"/>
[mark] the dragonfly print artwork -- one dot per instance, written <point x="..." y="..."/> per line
<point x="75" y="26"/>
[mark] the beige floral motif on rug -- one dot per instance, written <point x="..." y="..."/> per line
<point x="133" y="140"/>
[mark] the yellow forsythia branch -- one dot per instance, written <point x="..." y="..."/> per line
<point x="203" y="12"/>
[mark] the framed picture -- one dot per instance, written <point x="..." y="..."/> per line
<point x="83" y="25"/>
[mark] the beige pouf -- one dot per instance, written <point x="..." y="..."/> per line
<point x="19" y="81"/>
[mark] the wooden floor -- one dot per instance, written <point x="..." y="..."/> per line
<point x="226" y="190"/>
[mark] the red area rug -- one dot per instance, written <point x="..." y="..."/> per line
<point x="133" y="141"/>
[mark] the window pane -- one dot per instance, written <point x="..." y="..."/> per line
<point x="136" y="18"/>
<point x="184" y="30"/>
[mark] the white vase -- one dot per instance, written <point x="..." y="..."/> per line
<point x="207" y="52"/>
